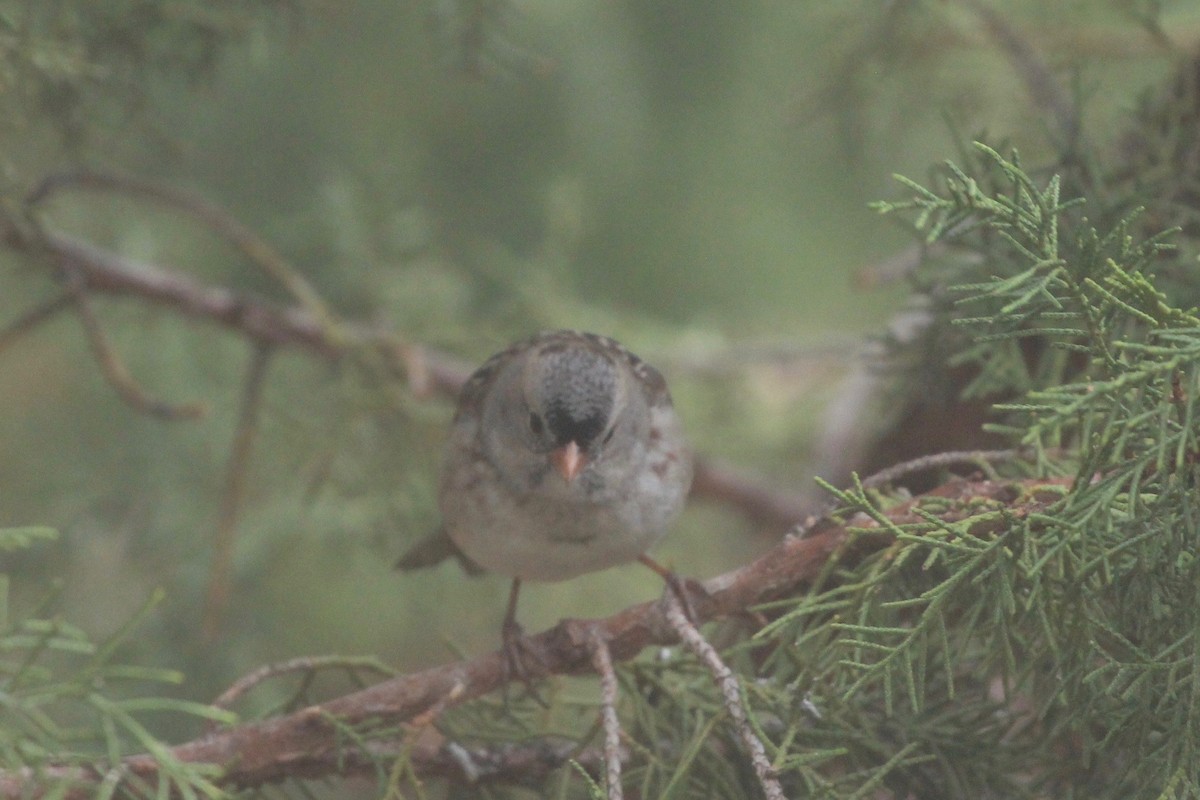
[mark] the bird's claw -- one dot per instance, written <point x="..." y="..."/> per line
<point x="519" y="655"/>
<point x="682" y="588"/>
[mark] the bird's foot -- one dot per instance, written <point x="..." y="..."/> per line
<point x="684" y="589"/>
<point x="523" y="660"/>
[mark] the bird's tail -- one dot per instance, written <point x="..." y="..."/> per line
<point x="433" y="550"/>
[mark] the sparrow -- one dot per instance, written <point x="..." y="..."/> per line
<point x="565" y="456"/>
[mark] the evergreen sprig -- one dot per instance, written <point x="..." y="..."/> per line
<point x="1073" y="629"/>
<point x="68" y="701"/>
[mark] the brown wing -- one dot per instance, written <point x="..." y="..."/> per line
<point x="433" y="550"/>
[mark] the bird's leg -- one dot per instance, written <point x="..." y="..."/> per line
<point x="681" y="587"/>
<point x="511" y="629"/>
<point x="517" y="649"/>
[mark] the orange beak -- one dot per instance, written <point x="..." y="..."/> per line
<point x="569" y="460"/>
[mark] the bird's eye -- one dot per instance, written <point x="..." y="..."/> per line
<point x="609" y="435"/>
<point x="535" y="424"/>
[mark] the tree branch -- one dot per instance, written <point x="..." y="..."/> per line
<point x="602" y="663"/>
<point x="113" y="368"/>
<point x="731" y="692"/>
<point x="270" y="325"/>
<point x="309" y="743"/>
<point x="220" y="578"/>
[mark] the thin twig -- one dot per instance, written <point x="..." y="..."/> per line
<point x="308" y="742"/>
<point x="524" y="763"/>
<point x="220" y="577"/>
<point x="919" y="464"/>
<point x="215" y="218"/>
<point x="261" y="322"/>
<point x="304" y="664"/>
<point x="749" y="494"/>
<point x="1047" y="95"/>
<point x="731" y="693"/>
<point x="43" y="313"/>
<point x="602" y="663"/>
<point x="105" y="272"/>
<point x="115" y="371"/>
<point x="896" y="471"/>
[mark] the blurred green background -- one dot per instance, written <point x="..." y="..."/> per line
<point x="691" y="178"/>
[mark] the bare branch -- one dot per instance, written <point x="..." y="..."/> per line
<point x="731" y="693"/>
<point x="1045" y="92"/>
<point x="114" y="369"/>
<point x="220" y="576"/>
<point x="602" y="663"/>
<point x="525" y="762"/>
<point x="212" y="216"/>
<point x="749" y="494"/>
<point x="308" y="743"/>
<point x="267" y="324"/>
<point x="103" y="272"/>
<point x="34" y="318"/>
<point x="307" y="664"/>
<point x="897" y="471"/>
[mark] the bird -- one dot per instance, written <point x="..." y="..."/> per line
<point x="565" y="456"/>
